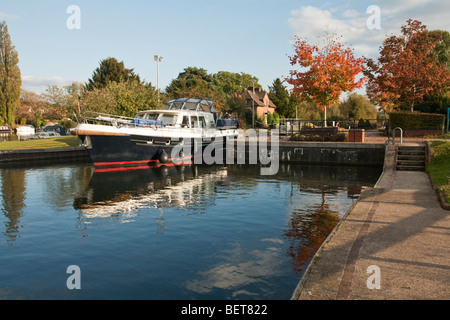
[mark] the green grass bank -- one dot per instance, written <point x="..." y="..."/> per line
<point x="47" y="143"/>
<point x="439" y="167"/>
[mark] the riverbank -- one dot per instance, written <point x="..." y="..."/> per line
<point x="392" y="245"/>
<point x="52" y="155"/>
<point x="51" y="150"/>
<point x="47" y="143"/>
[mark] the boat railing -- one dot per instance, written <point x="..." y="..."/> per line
<point x="93" y="117"/>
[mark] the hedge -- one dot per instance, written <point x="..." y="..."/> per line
<point x="416" y="121"/>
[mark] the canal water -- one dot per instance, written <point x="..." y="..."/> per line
<point x="193" y="232"/>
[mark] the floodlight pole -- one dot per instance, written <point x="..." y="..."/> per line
<point x="158" y="60"/>
<point x="253" y="104"/>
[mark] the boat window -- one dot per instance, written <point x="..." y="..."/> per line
<point x="190" y="106"/>
<point x="185" y="122"/>
<point x="194" y="122"/>
<point x="168" y="119"/>
<point x="151" y="116"/>
<point x="202" y="122"/>
<point x="203" y="107"/>
<point x="176" y="105"/>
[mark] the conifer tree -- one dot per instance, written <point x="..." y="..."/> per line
<point x="10" y="78"/>
<point x="110" y="70"/>
<point x="279" y="94"/>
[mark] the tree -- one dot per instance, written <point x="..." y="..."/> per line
<point x="61" y="102"/>
<point x="124" y="98"/>
<point x="441" y="102"/>
<point x="10" y="78"/>
<point x="357" y="106"/>
<point x="132" y="97"/>
<point x="195" y="82"/>
<point x="279" y="95"/>
<point x="442" y="48"/>
<point x="408" y="69"/>
<point x="231" y="82"/>
<point x="327" y="71"/>
<point x="110" y="70"/>
<point x="29" y="108"/>
<point x="236" y="105"/>
<point x="190" y="78"/>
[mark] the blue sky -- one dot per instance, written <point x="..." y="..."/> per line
<point x="251" y="36"/>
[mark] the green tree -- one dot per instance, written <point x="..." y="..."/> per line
<point x="121" y="98"/>
<point x="195" y="82"/>
<point x="10" y="78"/>
<point x="231" y="82"/>
<point x="442" y="49"/>
<point x="131" y="97"/>
<point x="237" y="106"/>
<point x="110" y="70"/>
<point x="61" y="102"/>
<point x="357" y="106"/>
<point x="190" y="78"/>
<point x="279" y="94"/>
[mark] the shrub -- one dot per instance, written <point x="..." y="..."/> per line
<point x="339" y="137"/>
<point x="416" y="121"/>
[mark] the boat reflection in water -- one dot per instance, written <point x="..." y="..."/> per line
<point x="120" y="193"/>
<point x="115" y="192"/>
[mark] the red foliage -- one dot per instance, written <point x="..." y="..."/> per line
<point x="326" y="72"/>
<point x="407" y="70"/>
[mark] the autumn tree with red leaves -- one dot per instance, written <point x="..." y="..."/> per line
<point x="326" y="72"/>
<point x="407" y="70"/>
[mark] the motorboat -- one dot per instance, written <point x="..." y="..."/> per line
<point x="188" y="124"/>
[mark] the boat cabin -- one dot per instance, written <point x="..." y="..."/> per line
<point x="182" y="113"/>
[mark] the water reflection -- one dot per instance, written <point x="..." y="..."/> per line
<point x="221" y="231"/>
<point x="56" y="186"/>
<point x="14" y="193"/>
<point x="119" y="194"/>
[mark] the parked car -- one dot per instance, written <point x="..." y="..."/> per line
<point x="49" y="134"/>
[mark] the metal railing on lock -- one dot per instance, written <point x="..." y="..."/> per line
<point x="393" y="136"/>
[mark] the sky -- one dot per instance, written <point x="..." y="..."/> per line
<point x="57" y="46"/>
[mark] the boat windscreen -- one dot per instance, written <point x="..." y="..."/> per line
<point x="206" y="105"/>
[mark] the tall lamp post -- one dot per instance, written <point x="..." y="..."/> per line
<point x="253" y="104"/>
<point x="158" y="60"/>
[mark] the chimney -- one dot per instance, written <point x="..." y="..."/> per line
<point x="257" y="89"/>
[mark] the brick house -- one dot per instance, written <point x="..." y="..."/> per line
<point x="263" y="105"/>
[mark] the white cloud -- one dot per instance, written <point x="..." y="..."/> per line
<point x="8" y="16"/>
<point x="350" y="24"/>
<point x="309" y="21"/>
<point x="39" y="84"/>
<point x="351" y="13"/>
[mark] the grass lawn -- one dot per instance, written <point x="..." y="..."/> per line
<point x="439" y="168"/>
<point x="58" y="142"/>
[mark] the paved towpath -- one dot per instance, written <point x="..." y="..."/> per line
<point x="397" y="231"/>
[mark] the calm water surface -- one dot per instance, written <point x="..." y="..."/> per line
<point x="195" y="232"/>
